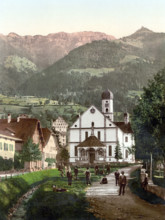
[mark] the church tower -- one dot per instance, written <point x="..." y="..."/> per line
<point x="107" y="104"/>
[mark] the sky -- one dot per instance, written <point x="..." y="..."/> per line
<point x="115" y="17"/>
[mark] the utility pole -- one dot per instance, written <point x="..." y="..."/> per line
<point x="151" y="168"/>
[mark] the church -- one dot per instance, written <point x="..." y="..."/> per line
<point x="94" y="136"/>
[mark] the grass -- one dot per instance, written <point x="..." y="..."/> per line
<point x="46" y="204"/>
<point x="13" y="188"/>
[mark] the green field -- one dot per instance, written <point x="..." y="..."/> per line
<point x="43" y="109"/>
<point x="93" y="71"/>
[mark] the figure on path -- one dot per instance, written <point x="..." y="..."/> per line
<point x="104" y="180"/>
<point x="88" y="176"/>
<point x="76" y="172"/>
<point x="55" y="189"/>
<point x="62" y="173"/>
<point x="145" y="182"/>
<point x="96" y="170"/>
<point x="108" y="169"/>
<point x="117" y="174"/>
<point x="122" y="183"/>
<point x="69" y="176"/>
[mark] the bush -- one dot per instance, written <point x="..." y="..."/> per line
<point x="6" y="164"/>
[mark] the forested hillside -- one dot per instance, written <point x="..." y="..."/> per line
<point x="122" y="66"/>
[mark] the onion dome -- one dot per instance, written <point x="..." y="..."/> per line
<point x="107" y="94"/>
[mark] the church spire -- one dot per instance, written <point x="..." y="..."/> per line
<point x="107" y="104"/>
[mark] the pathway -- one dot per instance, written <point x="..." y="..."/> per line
<point x="105" y="203"/>
<point x="98" y="189"/>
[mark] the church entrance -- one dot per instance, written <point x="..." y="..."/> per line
<point x="91" y="155"/>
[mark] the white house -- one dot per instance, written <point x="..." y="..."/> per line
<point x="94" y="135"/>
<point x="61" y="127"/>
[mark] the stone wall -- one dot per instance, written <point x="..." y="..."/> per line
<point x="157" y="190"/>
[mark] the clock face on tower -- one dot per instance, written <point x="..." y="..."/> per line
<point x="92" y="110"/>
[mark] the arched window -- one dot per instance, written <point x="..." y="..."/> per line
<point x="110" y="150"/>
<point x="106" y="109"/>
<point x="92" y="124"/>
<point x="126" y="139"/>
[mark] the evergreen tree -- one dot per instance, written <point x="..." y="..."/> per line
<point x="30" y="151"/>
<point x="118" y="154"/>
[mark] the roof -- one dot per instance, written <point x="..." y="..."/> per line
<point x="23" y="129"/>
<point x="126" y="128"/>
<point x="91" y="141"/>
<point x="107" y="94"/>
<point x="46" y="134"/>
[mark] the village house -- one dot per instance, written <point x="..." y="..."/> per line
<point x="7" y="145"/>
<point x="60" y="126"/>
<point x="94" y="136"/>
<point x="20" y="129"/>
<point x="51" y="146"/>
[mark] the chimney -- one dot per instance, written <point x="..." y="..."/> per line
<point x="9" y="118"/>
<point x="126" y="118"/>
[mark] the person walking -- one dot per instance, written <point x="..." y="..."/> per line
<point x="69" y="176"/>
<point x="122" y="183"/>
<point x="76" y="172"/>
<point x="88" y="176"/>
<point x="108" y="169"/>
<point x="117" y="174"/>
<point x="96" y="170"/>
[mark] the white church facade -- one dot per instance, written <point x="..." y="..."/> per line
<point x="94" y="136"/>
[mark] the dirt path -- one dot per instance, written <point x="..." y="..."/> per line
<point x="106" y="204"/>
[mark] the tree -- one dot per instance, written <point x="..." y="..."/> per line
<point x="50" y="161"/>
<point x="63" y="156"/>
<point x="30" y="151"/>
<point x="148" y="120"/>
<point x="118" y="154"/>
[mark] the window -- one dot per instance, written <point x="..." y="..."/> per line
<point x="110" y="150"/>
<point x="92" y="124"/>
<point x="106" y="109"/>
<point x="5" y="147"/>
<point x="86" y="135"/>
<point x="126" y="139"/>
<point x="10" y="147"/>
<point x="76" y="152"/>
<point x="98" y="135"/>
<point x="0" y="145"/>
<point x="75" y="125"/>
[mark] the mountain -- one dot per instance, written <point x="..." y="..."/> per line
<point x="120" y="65"/>
<point x="43" y="51"/>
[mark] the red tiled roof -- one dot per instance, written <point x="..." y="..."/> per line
<point x="46" y="134"/>
<point x="126" y="128"/>
<point x="91" y="141"/>
<point x="23" y="129"/>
